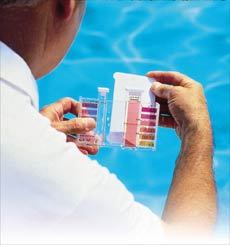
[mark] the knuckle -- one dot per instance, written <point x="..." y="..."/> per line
<point x="161" y="90"/>
<point x="76" y="125"/>
<point x="177" y="90"/>
<point x="79" y="124"/>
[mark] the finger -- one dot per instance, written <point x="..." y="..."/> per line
<point x="167" y="121"/>
<point x="70" y="105"/>
<point x="162" y="90"/>
<point x="83" y="151"/>
<point x="92" y="150"/>
<point x="65" y="105"/>
<point x="73" y="140"/>
<point x="172" y="78"/>
<point x="75" y="126"/>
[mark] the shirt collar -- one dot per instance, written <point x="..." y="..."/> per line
<point x="15" y="71"/>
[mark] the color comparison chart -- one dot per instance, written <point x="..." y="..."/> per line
<point x="139" y="126"/>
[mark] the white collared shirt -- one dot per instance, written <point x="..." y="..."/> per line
<point x="50" y="191"/>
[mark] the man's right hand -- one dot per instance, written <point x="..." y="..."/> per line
<point x="191" y="203"/>
<point x="183" y="105"/>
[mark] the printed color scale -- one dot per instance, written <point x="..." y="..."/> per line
<point x="147" y="128"/>
<point x="89" y="109"/>
<point x="140" y="125"/>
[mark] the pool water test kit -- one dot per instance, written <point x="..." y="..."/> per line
<point x="130" y="120"/>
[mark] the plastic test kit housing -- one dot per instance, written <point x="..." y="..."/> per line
<point x="130" y="120"/>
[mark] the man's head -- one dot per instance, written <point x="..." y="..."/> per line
<point x="41" y="31"/>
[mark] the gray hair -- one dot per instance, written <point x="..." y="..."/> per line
<point x="19" y="3"/>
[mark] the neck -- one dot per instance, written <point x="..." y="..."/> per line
<point x="23" y="32"/>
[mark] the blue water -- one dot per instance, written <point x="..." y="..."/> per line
<point x="137" y="36"/>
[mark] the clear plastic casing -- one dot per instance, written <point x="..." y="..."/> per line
<point x="137" y="121"/>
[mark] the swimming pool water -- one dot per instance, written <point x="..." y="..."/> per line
<point x="137" y="36"/>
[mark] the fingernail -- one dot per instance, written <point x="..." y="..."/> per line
<point x="155" y="85"/>
<point x="90" y="124"/>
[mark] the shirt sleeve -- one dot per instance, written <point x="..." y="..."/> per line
<point x="50" y="189"/>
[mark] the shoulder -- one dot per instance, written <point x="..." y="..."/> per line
<point x="16" y="74"/>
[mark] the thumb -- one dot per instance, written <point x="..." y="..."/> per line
<point x="162" y="90"/>
<point x="75" y="126"/>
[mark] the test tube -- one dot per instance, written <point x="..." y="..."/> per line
<point x="102" y="114"/>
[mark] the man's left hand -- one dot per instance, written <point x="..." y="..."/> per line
<point x="55" y="113"/>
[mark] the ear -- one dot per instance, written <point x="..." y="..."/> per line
<point x="65" y="8"/>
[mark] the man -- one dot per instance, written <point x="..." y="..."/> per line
<point x="50" y="191"/>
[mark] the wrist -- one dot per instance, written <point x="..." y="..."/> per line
<point x="198" y="134"/>
<point x="197" y="128"/>
<point x="197" y="142"/>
